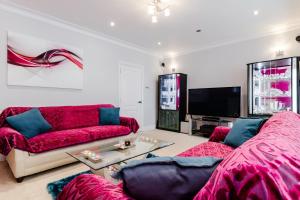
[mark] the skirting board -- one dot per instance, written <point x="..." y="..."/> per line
<point x="148" y="128"/>
<point x="2" y="157"/>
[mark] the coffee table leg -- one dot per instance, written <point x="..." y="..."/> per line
<point x="106" y="173"/>
<point x="100" y="172"/>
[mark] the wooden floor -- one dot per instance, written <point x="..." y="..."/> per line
<point x="34" y="187"/>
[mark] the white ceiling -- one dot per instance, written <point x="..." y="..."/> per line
<point x="222" y="21"/>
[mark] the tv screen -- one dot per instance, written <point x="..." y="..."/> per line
<point x="216" y="102"/>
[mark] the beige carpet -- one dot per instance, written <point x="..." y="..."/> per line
<point x="34" y="187"/>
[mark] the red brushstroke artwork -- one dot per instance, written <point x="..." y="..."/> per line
<point x="47" y="59"/>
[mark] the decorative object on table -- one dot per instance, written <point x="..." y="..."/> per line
<point x="172" y="101"/>
<point x="124" y="144"/>
<point x="92" y="156"/>
<point x="189" y="175"/>
<point x="127" y="143"/>
<point x="109" y="116"/>
<point x="121" y="146"/>
<point x="29" y="123"/>
<point x="37" y="62"/>
<point x="273" y="86"/>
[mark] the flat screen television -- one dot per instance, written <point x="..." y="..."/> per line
<point x="215" y="102"/>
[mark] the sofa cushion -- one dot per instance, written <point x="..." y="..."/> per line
<point x="243" y="129"/>
<point x="172" y="178"/>
<point x="109" y="116"/>
<point x="219" y="134"/>
<point x="30" y="123"/>
<point x="265" y="167"/>
<point x="65" y="138"/>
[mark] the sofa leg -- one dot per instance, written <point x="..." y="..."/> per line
<point x="20" y="179"/>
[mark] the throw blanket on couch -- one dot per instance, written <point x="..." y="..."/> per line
<point x="72" y="125"/>
<point x="265" y="167"/>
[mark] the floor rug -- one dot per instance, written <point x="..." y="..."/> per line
<point x="56" y="187"/>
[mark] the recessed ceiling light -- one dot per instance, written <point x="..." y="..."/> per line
<point x="112" y="24"/>
<point x="154" y="19"/>
<point x="159" y="43"/>
<point x="172" y="54"/>
<point x="255" y="12"/>
<point x="198" y="30"/>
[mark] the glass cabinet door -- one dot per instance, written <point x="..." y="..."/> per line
<point x="271" y="86"/>
<point x="168" y="92"/>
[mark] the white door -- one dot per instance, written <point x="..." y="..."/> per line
<point x="131" y="91"/>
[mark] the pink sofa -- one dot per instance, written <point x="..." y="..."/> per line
<point x="265" y="167"/>
<point x="71" y="126"/>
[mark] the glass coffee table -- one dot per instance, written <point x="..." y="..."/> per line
<point x="112" y="155"/>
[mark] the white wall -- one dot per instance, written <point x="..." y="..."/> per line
<point x="101" y="60"/>
<point x="227" y="65"/>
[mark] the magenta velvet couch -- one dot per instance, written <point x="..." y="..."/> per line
<point x="265" y="167"/>
<point x="71" y="126"/>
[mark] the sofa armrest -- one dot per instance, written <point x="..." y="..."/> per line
<point x="219" y="134"/>
<point x="130" y="123"/>
<point x="9" y="139"/>
<point x="92" y="187"/>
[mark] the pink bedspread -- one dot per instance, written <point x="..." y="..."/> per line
<point x="71" y="125"/>
<point x="214" y="149"/>
<point x="265" y="167"/>
<point x="94" y="187"/>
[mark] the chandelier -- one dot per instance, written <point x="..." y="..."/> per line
<point x="157" y="7"/>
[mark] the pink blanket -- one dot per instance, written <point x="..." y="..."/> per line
<point x="265" y="167"/>
<point x="71" y="125"/>
<point x="91" y="187"/>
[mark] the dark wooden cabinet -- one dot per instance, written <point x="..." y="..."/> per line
<point x="172" y="98"/>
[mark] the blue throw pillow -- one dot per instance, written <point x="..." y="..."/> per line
<point x="30" y="123"/>
<point x="243" y="129"/>
<point x="163" y="178"/>
<point x="109" y="116"/>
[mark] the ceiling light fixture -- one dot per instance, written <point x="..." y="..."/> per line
<point x="255" y="12"/>
<point x="156" y="7"/>
<point x="159" y="43"/>
<point x="112" y="24"/>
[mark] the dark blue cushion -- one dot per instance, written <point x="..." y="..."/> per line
<point x="109" y="116"/>
<point x="243" y="129"/>
<point x="173" y="178"/>
<point x="29" y="123"/>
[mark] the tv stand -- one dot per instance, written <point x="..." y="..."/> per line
<point x="211" y="119"/>
<point x="208" y="125"/>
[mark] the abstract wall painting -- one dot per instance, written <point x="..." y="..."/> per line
<point x="40" y="63"/>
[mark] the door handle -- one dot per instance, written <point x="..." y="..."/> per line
<point x="139" y="101"/>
